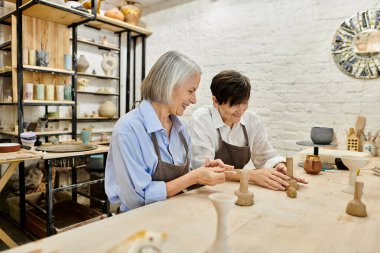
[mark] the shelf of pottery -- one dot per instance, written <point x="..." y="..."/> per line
<point x="47" y="70"/>
<point x="47" y="77"/>
<point x="98" y="85"/>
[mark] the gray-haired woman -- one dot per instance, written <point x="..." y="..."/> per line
<point x="149" y="156"/>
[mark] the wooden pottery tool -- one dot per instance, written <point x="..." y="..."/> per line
<point x="245" y="198"/>
<point x="356" y="207"/>
<point x="359" y="126"/>
<point x="375" y="135"/>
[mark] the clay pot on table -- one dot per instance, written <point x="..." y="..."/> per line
<point x="322" y="135"/>
<point x="313" y="164"/>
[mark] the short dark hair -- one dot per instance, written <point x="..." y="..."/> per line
<point x="229" y="86"/>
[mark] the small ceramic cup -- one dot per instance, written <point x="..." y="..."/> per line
<point x="68" y="61"/>
<point x="86" y="135"/>
<point x="32" y="57"/>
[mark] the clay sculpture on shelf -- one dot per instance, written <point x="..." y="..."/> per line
<point x="356" y="207"/>
<point x="245" y="198"/>
<point x="109" y="63"/>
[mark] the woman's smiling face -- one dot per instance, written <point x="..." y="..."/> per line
<point x="184" y="94"/>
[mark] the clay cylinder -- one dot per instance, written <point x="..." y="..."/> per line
<point x="49" y="92"/>
<point x="59" y="90"/>
<point x="40" y="91"/>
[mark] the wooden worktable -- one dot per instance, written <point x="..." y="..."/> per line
<point x="313" y="222"/>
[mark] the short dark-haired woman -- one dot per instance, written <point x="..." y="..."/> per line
<point x="229" y="132"/>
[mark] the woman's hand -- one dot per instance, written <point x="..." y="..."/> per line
<point x="217" y="163"/>
<point x="269" y="178"/>
<point x="281" y="167"/>
<point x="209" y="175"/>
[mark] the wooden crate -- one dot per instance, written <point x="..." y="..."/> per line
<point x="67" y="215"/>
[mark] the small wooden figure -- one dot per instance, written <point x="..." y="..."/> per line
<point x="245" y="198"/>
<point x="356" y="207"/>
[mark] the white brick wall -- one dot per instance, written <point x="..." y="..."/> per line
<point x="283" y="47"/>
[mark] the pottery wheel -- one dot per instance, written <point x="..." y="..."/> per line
<point x="62" y="148"/>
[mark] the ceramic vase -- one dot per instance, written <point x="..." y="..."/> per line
<point x="42" y="58"/>
<point x="82" y="64"/>
<point x="223" y="204"/>
<point x="107" y="109"/>
<point x="132" y="12"/>
<point x="109" y="63"/>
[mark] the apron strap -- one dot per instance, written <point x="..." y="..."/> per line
<point x="184" y="143"/>
<point x="156" y="147"/>
<point x="245" y="135"/>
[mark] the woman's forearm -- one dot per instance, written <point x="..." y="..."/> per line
<point x="179" y="184"/>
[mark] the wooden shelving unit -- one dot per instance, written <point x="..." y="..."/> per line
<point x="45" y="133"/>
<point x="6" y="19"/>
<point x="103" y="22"/>
<point x="6" y="73"/>
<point x="47" y="70"/>
<point x="6" y="46"/>
<point x="98" y="76"/>
<point x="98" y="93"/>
<point x="100" y="46"/>
<point x="48" y="102"/>
<point x="49" y="11"/>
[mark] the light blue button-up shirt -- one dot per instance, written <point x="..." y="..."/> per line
<point x="132" y="160"/>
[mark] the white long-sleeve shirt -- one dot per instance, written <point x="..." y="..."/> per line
<point x="204" y="135"/>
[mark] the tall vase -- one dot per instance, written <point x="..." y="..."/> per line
<point x="223" y="203"/>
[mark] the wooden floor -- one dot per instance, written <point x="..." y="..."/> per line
<point x="13" y="231"/>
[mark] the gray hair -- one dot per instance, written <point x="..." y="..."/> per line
<point x="169" y="70"/>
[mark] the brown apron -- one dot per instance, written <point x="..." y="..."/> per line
<point x="231" y="154"/>
<point x="168" y="171"/>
